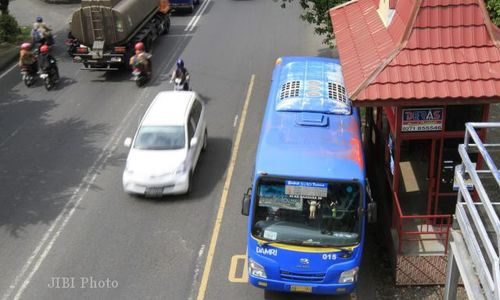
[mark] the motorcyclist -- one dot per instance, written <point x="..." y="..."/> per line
<point x="48" y="63"/>
<point x="27" y="59"/>
<point x="141" y="59"/>
<point x="182" y="73"/>
<point x="41" y="32"/>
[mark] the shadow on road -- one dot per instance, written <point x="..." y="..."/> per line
<point x="42" y="162"/>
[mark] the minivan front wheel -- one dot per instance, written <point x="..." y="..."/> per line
<point x="205" y="143"/>
<point x="189" y="183"/>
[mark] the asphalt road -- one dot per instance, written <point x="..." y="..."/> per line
<point x="63" y="213"/>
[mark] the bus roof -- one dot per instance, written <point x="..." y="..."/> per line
<point x="311" y="84"/>
<point x="305" y="142"/>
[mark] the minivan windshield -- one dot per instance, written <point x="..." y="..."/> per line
<point x="160" y="138"/>
<point x="323" y="214"/>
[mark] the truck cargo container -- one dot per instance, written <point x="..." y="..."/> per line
<point x="107" y="30"/>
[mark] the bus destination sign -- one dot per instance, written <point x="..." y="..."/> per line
<point x="306" y="189"/>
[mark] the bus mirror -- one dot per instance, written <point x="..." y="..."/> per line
<point x="245" y="206"/>
<point x="371" y="212"/>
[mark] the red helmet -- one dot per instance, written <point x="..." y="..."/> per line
<point x="44" y="49"/>
<point x="26" y="46"/>
<point x="139" y="46"/>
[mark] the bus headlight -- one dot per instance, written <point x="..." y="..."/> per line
<point x="256" y="270"/>
<point x="349" y="276"/>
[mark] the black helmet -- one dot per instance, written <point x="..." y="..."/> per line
<point x="39" y="19"/>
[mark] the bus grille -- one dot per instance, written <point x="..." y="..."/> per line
<point x="312" y="277"/>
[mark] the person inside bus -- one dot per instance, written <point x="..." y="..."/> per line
<point x="329" y="216"/>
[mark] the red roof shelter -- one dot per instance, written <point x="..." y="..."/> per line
<point x="431" y="49"/>
<point x="422" y="68"/>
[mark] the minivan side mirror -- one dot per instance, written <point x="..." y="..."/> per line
<point x="128" y="142"/>
<point x="245" y="205"/>
<point x="193" y="142"/>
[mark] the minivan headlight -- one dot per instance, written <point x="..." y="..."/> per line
<point x="128" y="169"/>
<point x="349" y="276"/>
<point x="256" y="269"/>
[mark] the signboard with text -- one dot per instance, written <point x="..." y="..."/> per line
<point x="422" y="119"/>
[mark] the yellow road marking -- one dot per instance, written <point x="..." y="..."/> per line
<point x="235" y="261"/>
<point x="223" y="199"/>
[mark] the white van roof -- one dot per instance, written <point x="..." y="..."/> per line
<point x="169" y="108"/>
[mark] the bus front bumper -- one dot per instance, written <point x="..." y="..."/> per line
<point x="299" y="287"/>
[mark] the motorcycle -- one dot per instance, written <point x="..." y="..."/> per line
<point x="140" y="77"/>
<point x="71" y="46"/>
<point x="29" y="75"/>
<point x="49" y="76"/>
<point x="139" y="73"/>
<point x="180" y="85"/>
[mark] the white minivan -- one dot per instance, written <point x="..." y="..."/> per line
<point x="166" y="147"/>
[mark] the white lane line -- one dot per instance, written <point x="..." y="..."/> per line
<point x="10" y="69"/>
<point x="199" y="262"/>
<point x="235" y="120"/>
<point x="190" y="22"/>
<point x="200" y="13"/>
<point x="69" y="208"/>
<point x="178" y="35"/>
<point x="10" y="136"/>
<point x="196" y="16"/>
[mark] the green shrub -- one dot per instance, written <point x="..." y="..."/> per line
<point x="9" y="29"/>
<point x="494" y="10"/>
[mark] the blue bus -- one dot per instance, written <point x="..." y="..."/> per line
<point x="309" y="200"/>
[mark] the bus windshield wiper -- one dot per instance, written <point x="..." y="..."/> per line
<point x="264" y="242"/>
<point x="345" y="250"/>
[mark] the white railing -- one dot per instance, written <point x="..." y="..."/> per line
<point x="478" y="220"/>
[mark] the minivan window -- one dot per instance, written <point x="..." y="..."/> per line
<point x="196" y="111"/>
<point x="160" y="138"/>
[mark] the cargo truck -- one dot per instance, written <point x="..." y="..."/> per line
<point x="107" y="30"/>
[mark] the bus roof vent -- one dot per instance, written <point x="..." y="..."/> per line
<point x="312" y="119"/>
<point x="290" y="89"/>
<point x="337" y="92"/>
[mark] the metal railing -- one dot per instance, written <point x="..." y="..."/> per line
<point x="477" y="219"/>
<point x="421" y="228"/>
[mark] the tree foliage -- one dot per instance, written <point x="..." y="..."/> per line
<point x="4" y="6"/>
<point x="9" y="29"/>
<point x="494" y="10"/>
<point x="316" y="12"/>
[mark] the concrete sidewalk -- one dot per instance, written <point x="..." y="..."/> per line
<point x="56" y="13"/>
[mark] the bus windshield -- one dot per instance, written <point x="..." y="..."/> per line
<point x="323" y="214"/>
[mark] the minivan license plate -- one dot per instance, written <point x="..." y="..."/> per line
<point x="301" y="288"/>
<point x="154" y="191"/>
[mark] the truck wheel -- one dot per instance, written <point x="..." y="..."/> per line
<point x="166" y="24"/>
<point x="148" y="42"/>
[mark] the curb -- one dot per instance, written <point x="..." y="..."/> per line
<point x="8" y="57"/>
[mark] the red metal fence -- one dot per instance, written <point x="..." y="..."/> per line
<point x="421" y="227"/>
